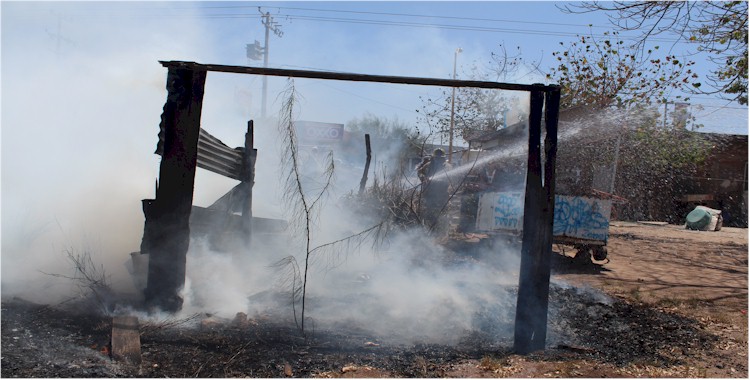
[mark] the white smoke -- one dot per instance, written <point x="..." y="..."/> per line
<point x="80" y="121"/>
<point x="80" y="113"/>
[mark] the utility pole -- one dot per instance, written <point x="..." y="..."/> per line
<point x="58" y="37"/>
<point x="268" y="22"/>
<point x="453" y="102"/>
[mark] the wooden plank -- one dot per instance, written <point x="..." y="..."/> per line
<point x="248" y="181"/>
<point x="230" y="202"/>
<point x="355" y="77"/>
<point x="126" y="340"/>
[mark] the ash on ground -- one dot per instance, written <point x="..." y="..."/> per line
<point x="44" y="341"/>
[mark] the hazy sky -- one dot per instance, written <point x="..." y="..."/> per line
<point x="82" y="93"/>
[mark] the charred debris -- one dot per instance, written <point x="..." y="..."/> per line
<point x="184" y="145"/>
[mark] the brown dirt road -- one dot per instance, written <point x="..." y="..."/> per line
<point x="699" y="274"/>
<point x="661" y="264"/>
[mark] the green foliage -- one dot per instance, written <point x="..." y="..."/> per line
<point x="719" y="28"/>
<point x="667" y="149"/>
<point x="652" y="163"/>
<point x="602" y="73"/>
<point x="648" y="157"/>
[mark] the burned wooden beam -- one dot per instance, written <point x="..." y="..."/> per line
<point x="355" y="77"/>
<point x="167" y="231"/>
<point x="536" y="249"/>
<point x="248" y="180"/>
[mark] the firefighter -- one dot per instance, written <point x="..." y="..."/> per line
<point x="437" y="163"/>
<point x="434" y="190"/>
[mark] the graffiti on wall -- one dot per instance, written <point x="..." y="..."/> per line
<point x="576" y="217"/>
<point x="581" y="217"/>
<point x="500" y="211"/>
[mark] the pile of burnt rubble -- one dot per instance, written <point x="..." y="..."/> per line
<point x="44" y="341"/>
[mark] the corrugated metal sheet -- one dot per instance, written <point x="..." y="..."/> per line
<point x="214" y="155"/>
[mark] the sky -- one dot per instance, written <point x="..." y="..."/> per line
<point x="83" y="90"/>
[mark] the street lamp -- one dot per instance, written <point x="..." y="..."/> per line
<point x="453" y="107"/>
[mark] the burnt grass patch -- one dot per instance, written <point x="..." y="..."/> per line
<point x="45" y="341"/>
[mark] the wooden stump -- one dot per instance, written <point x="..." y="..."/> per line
<point x="126" y="340"/>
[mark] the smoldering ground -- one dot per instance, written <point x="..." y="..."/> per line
<point x="412" y="290"/>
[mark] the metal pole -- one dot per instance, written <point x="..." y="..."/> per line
<point x="453" y="103"/>
<point x="267" y="16"/>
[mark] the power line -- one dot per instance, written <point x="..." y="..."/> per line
<point x="433" y="25"/>
<point x="362" y="21"/>
<point x="413" y="15"/>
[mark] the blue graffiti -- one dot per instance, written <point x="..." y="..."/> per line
<point x="576" y="217"/>
<point x="508" y="210"/>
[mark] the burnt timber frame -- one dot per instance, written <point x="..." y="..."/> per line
<point x="185" y="84"/>
<point x="166" y="233"/>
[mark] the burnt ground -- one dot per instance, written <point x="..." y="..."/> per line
<point x="677" y="307"/>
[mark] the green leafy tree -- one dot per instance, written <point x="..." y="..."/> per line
<point x="717" y="27"/>
<point x="602" y="73"/>
<point x="652" y="161"/>
<point x="615" y="92"/>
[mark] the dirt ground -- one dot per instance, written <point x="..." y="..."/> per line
<point x="698" y="274"/>
<point x="678" y="308"/>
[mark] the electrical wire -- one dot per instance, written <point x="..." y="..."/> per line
<point x="470" y="28"/>
<point x="407" y="15"/>
<point x="382" y="22"/>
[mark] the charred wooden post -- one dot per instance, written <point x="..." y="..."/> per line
<point x="536" y="249"/>
<point x="167" y="231"/>
<point x="247" y="177"/>
<point x="551" y="112"/>
<point x="363" y="182"/>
